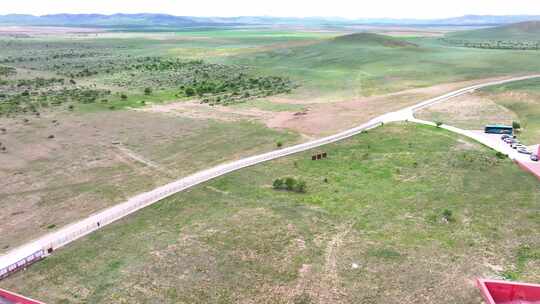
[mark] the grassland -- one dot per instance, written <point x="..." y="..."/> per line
<point x="348" y="68"/>
<point x="80" y="134"/>
<point x="327" y="68"/>
<point x="61" y="167"/>
<point x="403" y="214"/>
<point x="519" y="36"/>
<point x="517" y="101"/>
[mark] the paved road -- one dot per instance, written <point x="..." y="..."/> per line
<point x="18" y="257"/>
<point x="490" y="140"/>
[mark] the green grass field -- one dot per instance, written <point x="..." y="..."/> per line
<point x="334" y="70"/>
<point x="326" y="68"/>
<point x="402" y="214"/>
<point x="525" y="31"/>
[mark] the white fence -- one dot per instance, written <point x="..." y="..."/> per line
<point x="50" y="242"/>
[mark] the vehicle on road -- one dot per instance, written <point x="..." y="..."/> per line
<point x="534" y="157"/>
<point x="499" y="129"/>
<point x="524" y="151"/>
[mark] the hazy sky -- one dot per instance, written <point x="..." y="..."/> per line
<point x="296" y="8"/>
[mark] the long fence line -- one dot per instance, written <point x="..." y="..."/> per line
<point x="38" y="249"/>
<point x="22" y="257"/>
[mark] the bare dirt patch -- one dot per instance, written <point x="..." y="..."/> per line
<point x="193" y="109"/>
<point x="327" y="118"/>
<point x="471" y="111"/>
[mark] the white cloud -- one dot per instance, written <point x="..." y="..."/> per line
<point x="298" y="8"/>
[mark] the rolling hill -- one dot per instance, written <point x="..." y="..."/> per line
<point x="524" y="31"/>
<point x="372" y="39"/>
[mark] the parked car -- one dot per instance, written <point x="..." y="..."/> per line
<point x="505" y="136"/>
<point x="534" y="157"/>
<point x="510" y="140"/>
<point x="524" y="151"/>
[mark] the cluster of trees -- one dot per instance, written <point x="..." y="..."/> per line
<point x="32" y="102"/>
<point x="290" y="184"/>
<point x="7" y="71"/>
<point x="39" y="82"/>
<point x="211" y="83"/>
<point x="239" y="89"/>
<point x="495" y="44"/>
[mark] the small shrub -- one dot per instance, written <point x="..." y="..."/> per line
<point x="279" y="144"/>
<point x="448" y="215"/>
<point x="501" y="155"/>
<point x="516" y="125"/>
<point x="438" y="124"/>
<point x="300" y="186"/>
<point x="290" y="183"/>
<point x="147" y="91"/>
<point x="189" y="92"/>
<point x="278" y="183"/>
<point x="51" y="226"/>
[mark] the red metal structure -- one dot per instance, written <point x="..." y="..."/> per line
<point x="532" y="167"/>
<point x="504" y="292"/>
<point x="13" y="298"/>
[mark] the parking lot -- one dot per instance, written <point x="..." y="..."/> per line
<point x="495" y="142"/>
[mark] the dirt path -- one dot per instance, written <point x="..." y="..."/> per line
<point x="329" y="289"/>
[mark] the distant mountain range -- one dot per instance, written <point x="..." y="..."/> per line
<point x="163" y="20"/>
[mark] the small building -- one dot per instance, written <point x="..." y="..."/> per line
<point x="499" y="129"/>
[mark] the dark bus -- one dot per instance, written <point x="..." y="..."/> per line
<point x="499" y="129"/>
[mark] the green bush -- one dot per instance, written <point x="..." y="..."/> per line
<point x="300" y="186"/>
<point x="189" y="92"/>
<point x="448" y="215"/>
<point x="290" y="184"/>
<point x="501" y="155"/>
<point x="278" y="183"/>
<point x="516" y="125"/>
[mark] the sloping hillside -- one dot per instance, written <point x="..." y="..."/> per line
<point x="373" y="39"/>
<point x="524" y="31"/>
